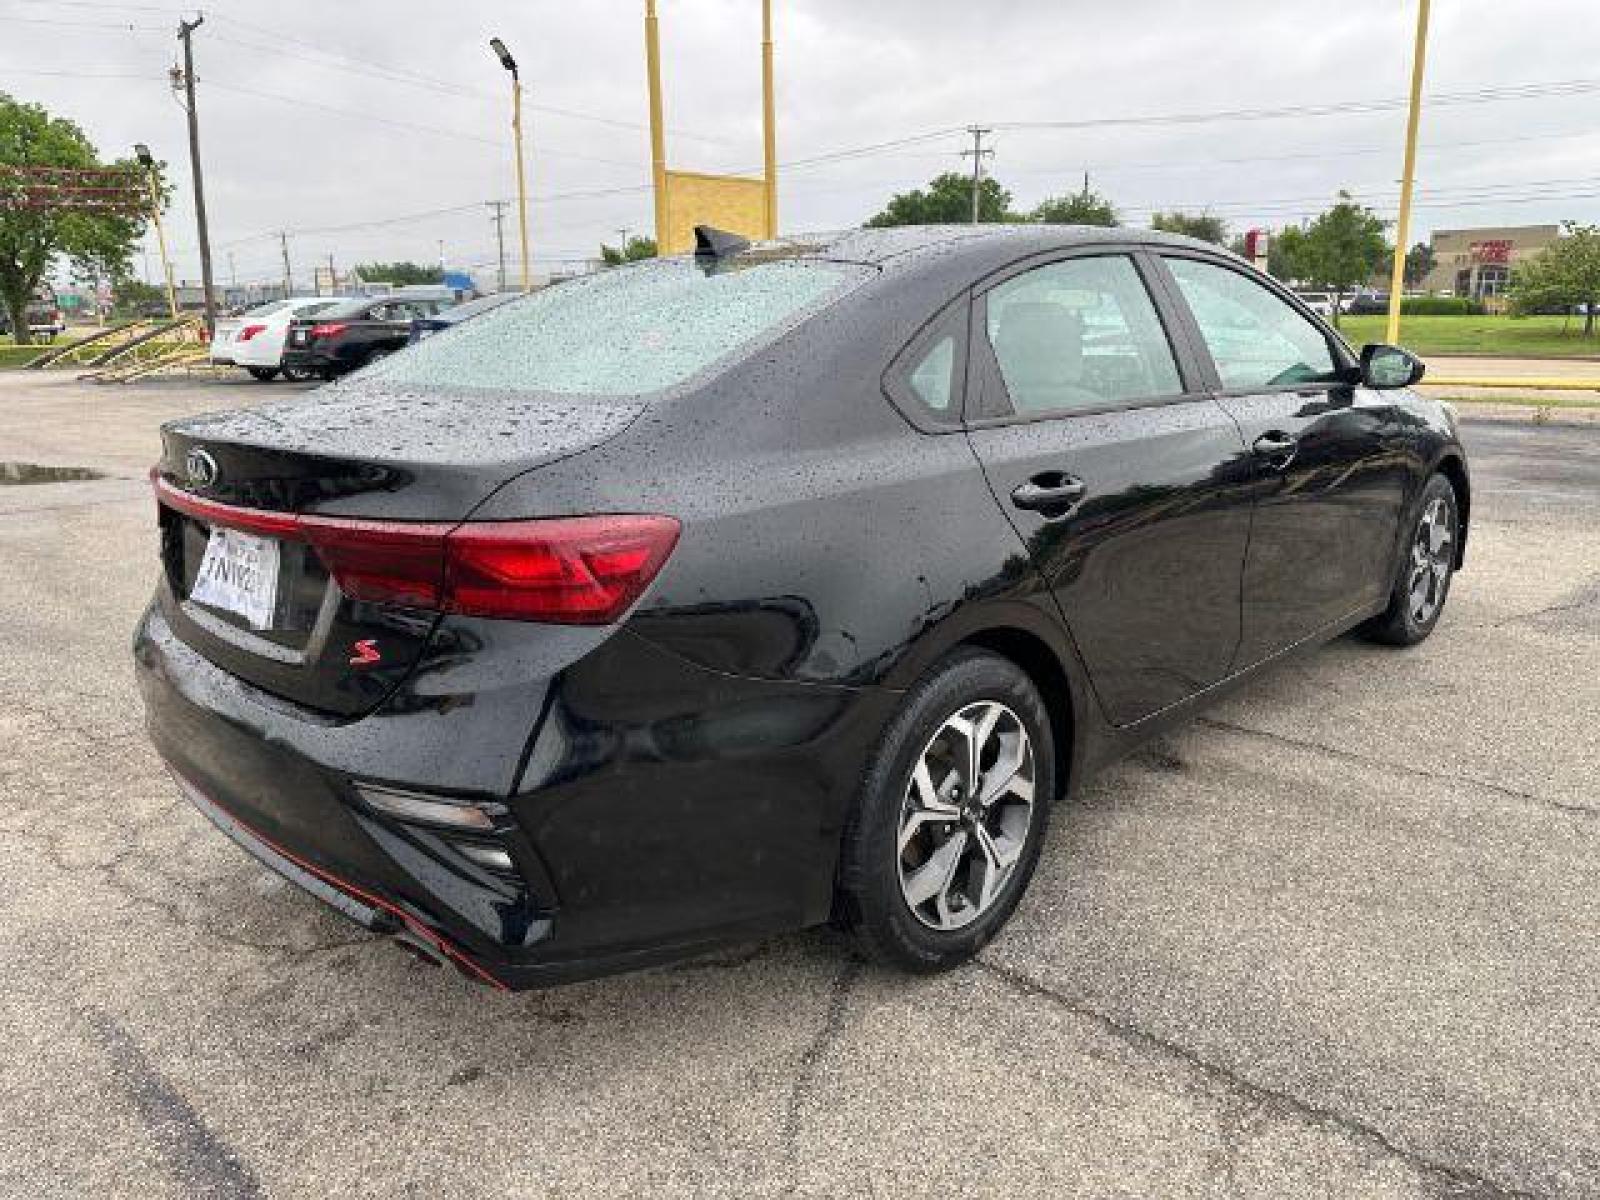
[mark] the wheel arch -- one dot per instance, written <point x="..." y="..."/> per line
<point x="1454" y="468"/>
<point x="1044" y="668"/>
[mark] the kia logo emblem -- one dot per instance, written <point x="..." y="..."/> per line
<point x="202" y="468"/>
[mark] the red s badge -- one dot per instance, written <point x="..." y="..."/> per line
<point x="366" y="653"/>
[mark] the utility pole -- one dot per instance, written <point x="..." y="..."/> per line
<point x="499" y="219"/>
<point x="978" y="154"/>
<point x="1408" y="175"/>
<point x="233" y="275"/>
<point x="769" y="135"/>
<point x="185" y="35"/>
<point x="288" y="274"/>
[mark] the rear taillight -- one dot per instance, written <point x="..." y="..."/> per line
<point x="571" y="570"/>
<point x="328" y="329"/>
<point x="249" y="331"/>
<point x="559" y="570"/>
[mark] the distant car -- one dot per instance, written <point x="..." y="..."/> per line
<point x="255" y="339"/>
<point x="347" y="336"/>
<point x="424" y="326"/>
<point x="44" y="316"/>
<point x="1321" y="303"/>
<point x="1368" y="304"/>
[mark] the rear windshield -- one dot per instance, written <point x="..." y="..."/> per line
<point x="266" y="310"/>
<point x="347" y="308"/>
<point x="623" y="332"/>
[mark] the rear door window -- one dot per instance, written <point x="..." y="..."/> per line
<point x="629" y="331"/>
<point x="1082" y="333"/>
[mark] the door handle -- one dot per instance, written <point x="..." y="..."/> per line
<point x="1276" y="447"/>
<point x="1051" y="493"/>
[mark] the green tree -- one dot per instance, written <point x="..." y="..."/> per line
<point x="1341" y="249"/>
<point x="1206" y="228"/>
<point x="947" y="200"/>
<point x="1420" y="259"/>
<point x="636" y="249"/>
<point x="1566" y="273"/>
<point x="31" y="239"/>
<point x="399" y="273"/>
<point x="133" y="297"/>
<point x="1078" y="208"/>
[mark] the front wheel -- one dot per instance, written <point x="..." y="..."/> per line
<point x="264" y="374"/>
<point x="1426" y="570"/>
<point x="951" y="815"/>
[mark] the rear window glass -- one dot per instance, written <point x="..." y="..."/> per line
<point x="623" y="332"/>
<point x="266" y="310"/>
<point x="347" y="308"/>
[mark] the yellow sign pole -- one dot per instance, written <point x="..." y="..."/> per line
<point x="769" y="132"/>
<point x="1402" y="232"/>
<point x="522" y="181"/>
<point x="658" y="137"/>
<point x="161" y="240"/>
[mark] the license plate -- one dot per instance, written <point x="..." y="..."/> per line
<point x="239" y="574"/>
<point x="299" y="338"/>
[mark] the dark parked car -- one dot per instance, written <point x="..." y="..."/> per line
<point x="722" y="595"/>
<point x="350" y="335"/>
<point x="1368" y="304"/>
<point x="446" y="318"/>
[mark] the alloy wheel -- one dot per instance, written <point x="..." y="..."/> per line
<point x="966" y="814"/>
<point x="1432" y="556"/>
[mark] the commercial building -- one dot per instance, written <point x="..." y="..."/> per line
<point x="1478" y="262"/>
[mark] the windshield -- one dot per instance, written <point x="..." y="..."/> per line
<point x="623" y="332"/>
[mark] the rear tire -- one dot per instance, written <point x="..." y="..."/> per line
<point x="1427" y="565"/>
<point x="951" y="815"/>
<point x="264" y="374"/>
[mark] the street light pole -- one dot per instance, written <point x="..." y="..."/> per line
<point x="1402" y="230"/>
<point x="148" y="162"/>
<point x="510" y="64"/>
<point x="185" y="35"/>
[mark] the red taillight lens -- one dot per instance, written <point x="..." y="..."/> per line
<point x="570" y="570"/>
<point x="249" y="331"/>
<point x="328" y="329"/>
<point x="386" y="562"/>
<point x="560" y="570"/>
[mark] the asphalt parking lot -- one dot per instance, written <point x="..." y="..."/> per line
<point x="1338" y="938"/>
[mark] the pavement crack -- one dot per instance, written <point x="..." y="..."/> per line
<point x="1576" y="810"/>
<point x="1454" y="1181"/>
<point x="806" y="1071"/>
<point x="206" y="1165"/>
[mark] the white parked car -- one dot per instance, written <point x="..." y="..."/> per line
<point x="254" y="341"/>
<point x="1321" y="303"/>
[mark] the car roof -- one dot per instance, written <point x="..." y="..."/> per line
<point x="978" y="248"/>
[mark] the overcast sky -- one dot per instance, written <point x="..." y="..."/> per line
<point x="324" y="118"/>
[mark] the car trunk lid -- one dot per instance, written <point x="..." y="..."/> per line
<point x="247" y="586"/>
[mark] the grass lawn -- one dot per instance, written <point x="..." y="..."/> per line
<point x="1508" y="336"/>
<point x="12" y="355"/>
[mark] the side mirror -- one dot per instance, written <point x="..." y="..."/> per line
<point x="1389" y="366"/>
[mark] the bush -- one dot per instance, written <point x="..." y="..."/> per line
<point x="1441" y="306"/>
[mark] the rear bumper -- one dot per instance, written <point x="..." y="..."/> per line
<point x="654" y="809"/>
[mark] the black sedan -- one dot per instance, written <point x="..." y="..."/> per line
<point x="448" y="318"/>
<point x="352" y="334"/>
<point x="733" y="593"/>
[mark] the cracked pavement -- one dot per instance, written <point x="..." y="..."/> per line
<point x="1336" y="938"/>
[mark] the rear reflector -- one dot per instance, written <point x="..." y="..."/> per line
<point x="561" y="570"/>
